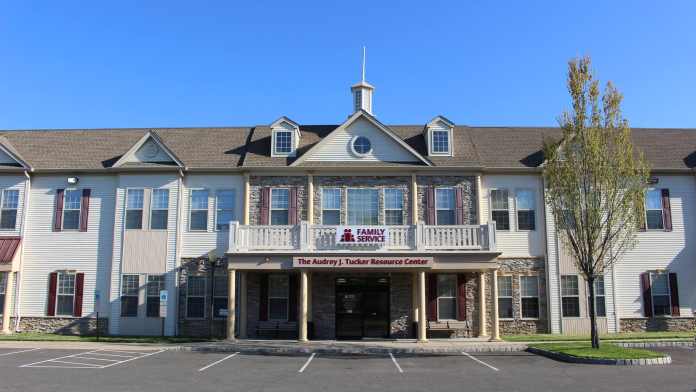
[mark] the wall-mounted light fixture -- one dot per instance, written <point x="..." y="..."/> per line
<point x="73" y="180"/>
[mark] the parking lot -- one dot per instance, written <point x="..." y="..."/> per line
<point x="39" y="369"/>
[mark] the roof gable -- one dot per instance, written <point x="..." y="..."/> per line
<point x="149" y="151"/>
<point x="386" y="146"/>
<point x="9" y="157"/>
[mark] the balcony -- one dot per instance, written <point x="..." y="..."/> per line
<point x="305" y="237"/>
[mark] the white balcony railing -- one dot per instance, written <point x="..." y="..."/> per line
<point x="322" y="238"/>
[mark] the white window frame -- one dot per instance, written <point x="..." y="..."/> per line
<point x="662" y="209"/>
<point x="286" y="297"/>
<point x="162" y="286"/>
<point x="518" y="209"/>
<point x="274" y="149"/>
<point x="385" y="209"/>
<point x="448" y="132"/>
<point x="16" y="209"/>
<point x="340" y="203"/>
<point x="604" y="296"/>
<point x="270" y="205"/>
<point x="491" y="209"/>
<point x="226" y="295"/>
<point x="225" y="226"/>
<point x="537" y="296"/>
<point x="511" y="296"/>
<point x="454" y="203"/>
<point x="79" y="209"/>
<point x="348" y="204"/>
<point x="456" y="299"/>
<point x="3" y="289"/>
<point x="577" y="280"/>
<point x="136" y="296"/>
<point x="58" y="294"/>
<point x="652" y="293"/>
<point x="206" y="209"/>
<point x="204" y="296"/>
<point x="141" y="209"/>
<point x="153" y="209"/>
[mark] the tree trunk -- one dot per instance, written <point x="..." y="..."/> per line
<point x="593" y="317"/>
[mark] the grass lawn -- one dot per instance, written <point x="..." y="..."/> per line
<point x="106" y="339"/>
<point x="605" y="351"/>
<point x="613" y="336"/>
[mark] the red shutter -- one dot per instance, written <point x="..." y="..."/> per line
<point x="79" y="293"/>
<point x="263" y="298"/>
<point x="461" y="294"/>
<point x="293" y="207"/>
<point x="84" y="209"/>
<point x="674" y="293"/>
<point x="58" y="213"/>
<point x="293" y="292"/>
<point x="647" y="294"/>
<point x="432" y="297"/>
<point x="265" y="200"/>
<point x="430" y="205"/>
<point x="52" y="287"/>
<point x="459" y="206"/>
<point x="666" y="210"/>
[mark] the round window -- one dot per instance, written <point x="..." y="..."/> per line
<point x="362" y="145"/>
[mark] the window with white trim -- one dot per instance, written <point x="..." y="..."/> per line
<point x="278" y="294"/>
<point x="134" y="209"/>
<point x="130" y="287"/>
<point x="280" y="206"/>
<point x="570" y="296"/>
<point x="155" y="284"/>
<point x="529" y="296"/>
<point x="444" y="206"/>
<point x="331" y="206"/>
<point x="659" y="284"/>
<point x="8" y="209"/>
<point x="446" y="296"/>
<point x="3" y="290"/>
<point x="198" y="214"/>
<point x="653" y="210"/>
<point x="220" y="295"/>
<point x="283" y="142"/>
<point x="505" y="296"/>
<point x="440" y="141"/>
<point x="363" y="206"/>
<point x="65" y="301"/>
<point x="72" y="203"/>
<point x="393" y="206"/>
<point x="195" y="297"/>
<point x="224" y="213"/>
<point x="159" y="211"/>
<point x="600" y="297"/>
<point x="525" y="205"/>
<point x="500" y="211"/>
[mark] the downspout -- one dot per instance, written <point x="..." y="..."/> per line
<point x="177" y="252"/>
<point x="22" y="233"/>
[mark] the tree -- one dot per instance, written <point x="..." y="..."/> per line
<point x="595" y="180"/>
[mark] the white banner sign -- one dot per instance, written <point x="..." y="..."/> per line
<point x="362" y="262"/>
<point x="361" y="235"/>
<point x="164" y="297"/>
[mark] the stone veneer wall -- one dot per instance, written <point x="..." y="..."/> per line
<point x="63" y="325"/>
<point x="199" y="327"/>
<point x="258" y="182"/>
<point x="400" y="308"/>
<point x="672" y="324"/>
<point x="466" y="183"/>
<point x="373" y="182"/>
<point x="518" y="325"/>
<point x="324" y="305"/>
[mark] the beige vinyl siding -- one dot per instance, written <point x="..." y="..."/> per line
<point x="47" y="251"/>
<point x="145" y="252"/>
<point x="384" y="148"/>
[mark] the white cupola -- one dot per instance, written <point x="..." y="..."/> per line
<point x="362" y="92"/>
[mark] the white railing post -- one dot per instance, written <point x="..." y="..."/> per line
<point x="491" y="236"/>
<point x="419" y="235"/>
<point x="232" y="243"/>
<point x="304" y="235"/>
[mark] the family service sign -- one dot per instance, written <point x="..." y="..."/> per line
<point x="361" y="235"/>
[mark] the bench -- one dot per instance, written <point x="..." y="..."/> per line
<point x="450" y="327"/>
<point x="276" y="329"/>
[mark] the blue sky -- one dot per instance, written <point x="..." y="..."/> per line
<point x="168" y="63"/>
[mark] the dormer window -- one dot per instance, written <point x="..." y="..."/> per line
<point x="441" y="142"/>
<point x="285" y="136"/>
<point x="439" y="137"/>
<point x="283" y="142"/>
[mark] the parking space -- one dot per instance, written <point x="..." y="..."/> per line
<point x="65" y="370"/>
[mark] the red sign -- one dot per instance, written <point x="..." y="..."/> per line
<point x="362" y="262"/>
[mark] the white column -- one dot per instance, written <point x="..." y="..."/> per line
<point x="242" y="304"/>
<point x="310" y="199"/>
<point x="483" y="320"/>
<point x="422" y="331"/>
<point x="247" y="190"/>
<point x="496" y="322"/>
<point x="9" y="298"/>
<point x="231" y="308"/>
<point x="303" y="307"/>
<point x="414" y="199"/>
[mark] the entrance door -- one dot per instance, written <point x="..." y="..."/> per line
<point x="362" y="308"/>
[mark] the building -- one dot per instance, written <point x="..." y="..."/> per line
<point x="353" y="230"/>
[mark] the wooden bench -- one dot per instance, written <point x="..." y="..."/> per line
<point x="276" y="329"/>
<point x="450" y="326"/>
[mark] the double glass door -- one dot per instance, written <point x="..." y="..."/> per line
<point x="362" y="308"/>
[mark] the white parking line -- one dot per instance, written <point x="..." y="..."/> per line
<point x="396" y="363"/>
<point x="302" y="369"/>
<point x="56" y="359"/>
<point x="67" y="360"/>
<point x="216" y="362"/>
<point x="77" y="363"/>
<point x="131" y="359"/>
<point x="113" y="355"/>
<point x="17" y="352"/>
<point x="480" y="361"/>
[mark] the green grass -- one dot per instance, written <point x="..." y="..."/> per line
<point x="614" y="336"/>
<point x="605" y="351"/>
<point x="46" y="337"/>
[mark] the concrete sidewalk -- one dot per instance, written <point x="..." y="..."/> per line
<point x="71" y="345"/>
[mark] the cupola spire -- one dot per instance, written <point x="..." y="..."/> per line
<point x="362" y="91"/>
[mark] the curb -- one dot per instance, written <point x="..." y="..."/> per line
<point x="666" y="360"/>
<point x="685" y="343"/>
